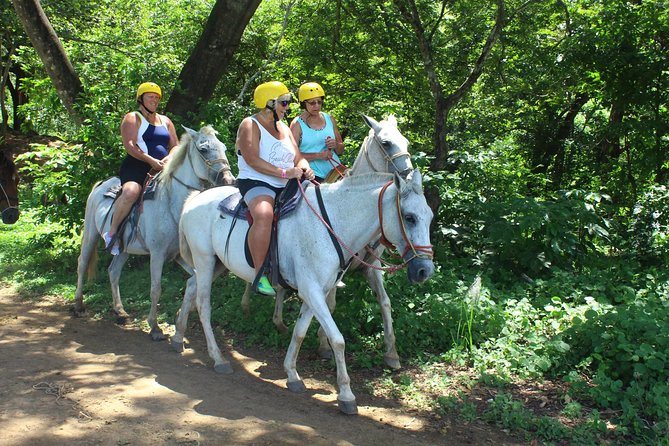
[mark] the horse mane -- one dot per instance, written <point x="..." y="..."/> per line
<point x="361" y="180"/>
<point x="179" y="152"/>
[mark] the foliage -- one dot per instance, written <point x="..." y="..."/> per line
<point x="551" y="239"/>
<point x="649" y="229"/>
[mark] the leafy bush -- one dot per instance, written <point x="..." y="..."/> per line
<point x="649" y="229"/>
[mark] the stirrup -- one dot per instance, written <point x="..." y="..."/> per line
<point x="264" y="287"/>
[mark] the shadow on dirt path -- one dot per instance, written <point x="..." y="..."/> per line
<point x="74" y="381"/>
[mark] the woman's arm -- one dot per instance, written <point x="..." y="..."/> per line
<point x="338" y="143"/>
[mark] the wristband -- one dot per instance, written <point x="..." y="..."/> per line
<point x="283" y="174"/>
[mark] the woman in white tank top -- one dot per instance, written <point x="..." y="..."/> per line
<point x="267" y="158"/>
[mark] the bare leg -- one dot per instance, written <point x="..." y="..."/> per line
<point x="131" y="191"/>
<point x="262" y="211"/>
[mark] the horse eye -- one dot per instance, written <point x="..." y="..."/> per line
<point x="410" y="219"/>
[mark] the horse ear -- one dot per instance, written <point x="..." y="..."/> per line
<point x="416" y="181"/>
<point x="371" y="122"/>
<point x="191" y="132"/>
<point x="392" y="120"/>
<point x="400" y="184"/>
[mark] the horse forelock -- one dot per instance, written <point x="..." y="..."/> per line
<point x="208" y="130"/>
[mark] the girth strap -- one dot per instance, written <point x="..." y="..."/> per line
<point x="342" y="263"/>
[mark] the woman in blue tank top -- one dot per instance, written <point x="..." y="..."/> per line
<point x="147" y="138"/>
<point x="316" y="132"/>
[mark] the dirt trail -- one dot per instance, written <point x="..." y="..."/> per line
<point x="74" y="381"/>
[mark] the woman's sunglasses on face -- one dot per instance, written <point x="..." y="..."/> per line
<point x="284" y="103"/>
<point x="315" y="102"/>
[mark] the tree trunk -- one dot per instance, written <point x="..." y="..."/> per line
<point x="444" y="104"/>
<point x="51" y="52"/>
<point x="212" y="55"/>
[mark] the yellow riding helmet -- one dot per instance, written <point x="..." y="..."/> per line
<point x="310" y="90"/>
<point x="267" y="92"/>
<point x="149" y="87"/>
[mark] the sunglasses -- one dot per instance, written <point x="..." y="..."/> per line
<point x="315" y="102"/>
<point x="284" y="103"/>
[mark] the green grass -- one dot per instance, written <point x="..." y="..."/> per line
<point x="471" y="348"/>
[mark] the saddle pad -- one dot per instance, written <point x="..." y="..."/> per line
<point x="234" y="205"/>
<point x="149" y="190"/>
<point x="113" y="191"/>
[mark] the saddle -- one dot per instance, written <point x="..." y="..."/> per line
<point x="285" y="204"/>
<point x="132" y="219"/>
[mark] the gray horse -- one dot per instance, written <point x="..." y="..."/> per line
<point x="199" y="161"/>
<point x="359" y="208"/>
<point x="384" y="149"/>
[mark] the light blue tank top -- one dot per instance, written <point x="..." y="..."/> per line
<point x="313" y="141"/>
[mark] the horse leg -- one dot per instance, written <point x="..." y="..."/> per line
<point x="114" y="270"/>
<point x="294" y="382"/>
<point x="346" y="398"/>
<point x="204" y="277"/>
<point x="375" y="280"/>
<point x="324" y="349"/>
<point x="181" y="319"/>
<point x="277" y="318"/>
<point x="87" y="259"/>
<point x="246" y="299"/>
<point x="157" y="262"/>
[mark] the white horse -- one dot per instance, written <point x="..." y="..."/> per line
<point x="359" y="209"/>
<point x="384" y="149"/>
<point x="197" y="162"/>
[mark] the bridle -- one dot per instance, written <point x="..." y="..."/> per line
<point x="416" y="251"/>
<point x="209" y="163"/>
<point x="390" y="159"/>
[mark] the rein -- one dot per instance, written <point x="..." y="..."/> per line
<point x="391" y="268"/>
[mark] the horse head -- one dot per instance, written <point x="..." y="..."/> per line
<point x="9" y="189"/>
<point x="411" y="234"/>
<point x="208" y="157"/>
<point x="385" y="149"/>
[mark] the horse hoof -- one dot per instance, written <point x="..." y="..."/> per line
<point x="296" y="386"/>
<point x="392" y="362"/>
<point x="348" y="407"/>
<point x="223" y="369"/>
<point x="177" y="346"/>
<point x="325" y="353"/>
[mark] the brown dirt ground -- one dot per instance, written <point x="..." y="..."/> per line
<point x="80" y="381"/>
